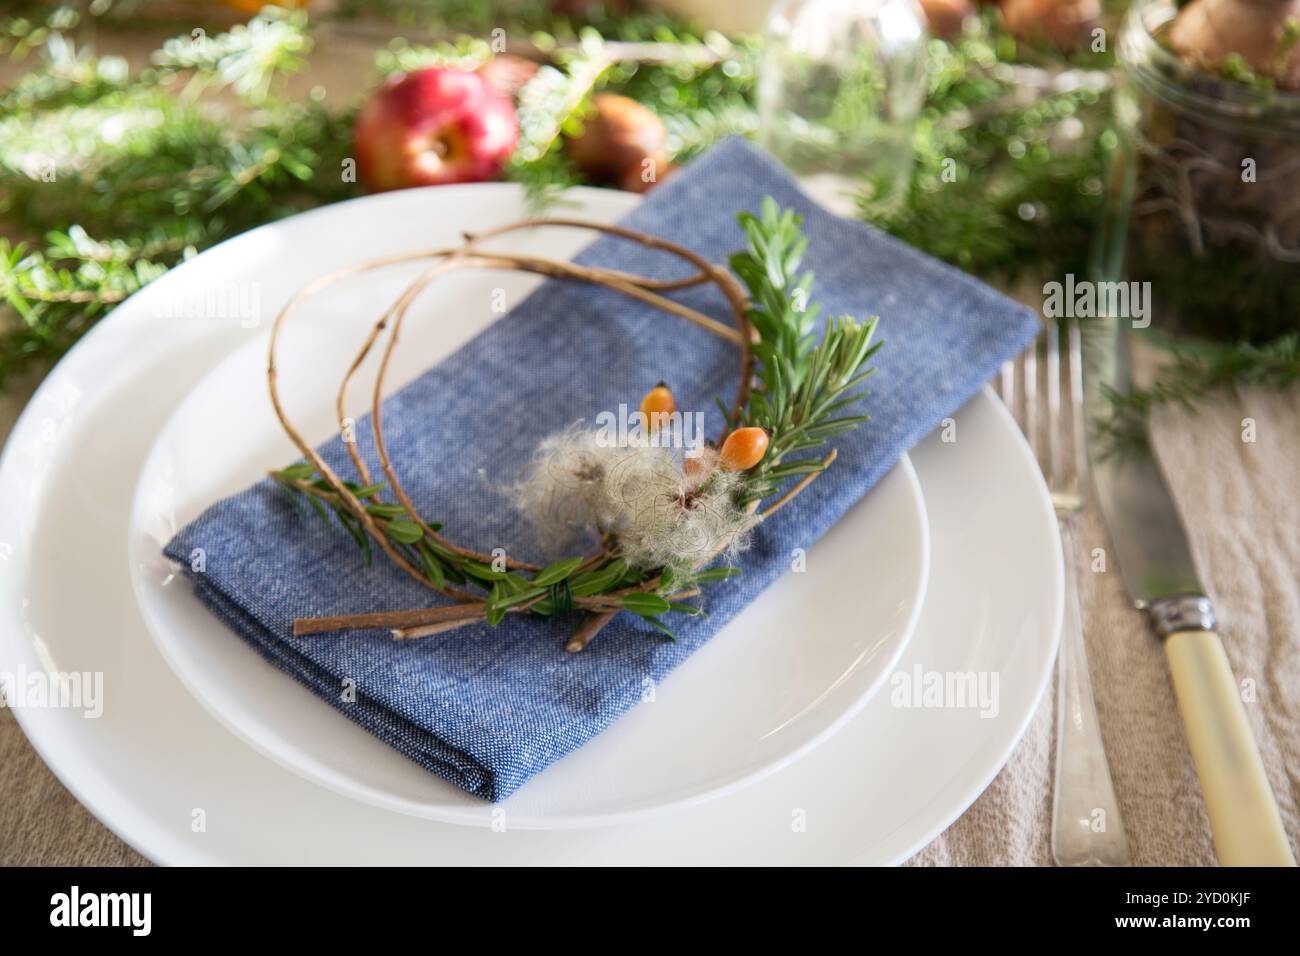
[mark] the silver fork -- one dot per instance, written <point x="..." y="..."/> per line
<point x="1047" y="402"/>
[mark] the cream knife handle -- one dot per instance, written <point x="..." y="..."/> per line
<point x="1243" y="814"/>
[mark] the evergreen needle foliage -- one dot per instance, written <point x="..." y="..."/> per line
<point x="1192" y="372"/>
<point x="122" y="176"/>
<point x="109" y="177"/>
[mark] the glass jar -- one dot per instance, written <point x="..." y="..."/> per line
<point x="839" y="90"/>
<point x="1204" y="198"/>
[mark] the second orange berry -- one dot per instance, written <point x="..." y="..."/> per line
<point x="657" y="402"/>
<point x="743" y="449"/>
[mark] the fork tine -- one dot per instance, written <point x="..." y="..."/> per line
<point x="1030" y="424"/>
<point x="1078" y="428"/>
<point x="1007" y="386"/>
<point x="1055" y="452"/>
<point x="1046" y="402"/>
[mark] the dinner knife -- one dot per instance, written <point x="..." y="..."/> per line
<point x="1155" y="562"/>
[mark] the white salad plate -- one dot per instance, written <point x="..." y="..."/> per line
<point x="159" y="770"/>
<point x="761" y="692"/>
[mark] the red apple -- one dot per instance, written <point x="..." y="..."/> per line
<point x="432" y="127"/>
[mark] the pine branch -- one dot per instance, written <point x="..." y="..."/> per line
<point x="185" y="174"/>
<point x="1192" y="374"/>
<point x="247" y="59"/>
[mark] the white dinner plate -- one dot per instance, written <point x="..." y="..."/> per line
<point x="166" y="777"/>
<point x="746" y="704"/>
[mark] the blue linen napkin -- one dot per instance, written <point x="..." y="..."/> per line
<point x="488" y="708"/>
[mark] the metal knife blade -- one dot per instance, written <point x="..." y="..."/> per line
<point x="1155" y="559"/>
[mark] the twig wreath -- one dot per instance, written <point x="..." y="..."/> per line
<point x="660" y="521"/>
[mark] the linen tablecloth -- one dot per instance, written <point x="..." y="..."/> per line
<point x="1243" y="518"/>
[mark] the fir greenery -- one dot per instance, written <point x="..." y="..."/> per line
<point x="1194" y="370"/>
<point x="114" y="177"/>
<point x="108" y="176"/>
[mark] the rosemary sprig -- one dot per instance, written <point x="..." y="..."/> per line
<point x="300" y="484"/>
<point x="606" y="584"/>
<point x="803" y="382"/>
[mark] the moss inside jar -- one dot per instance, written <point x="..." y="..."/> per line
<point x="1206" y="192"/>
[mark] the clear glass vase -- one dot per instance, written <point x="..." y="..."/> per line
<point x="840" y="88"/>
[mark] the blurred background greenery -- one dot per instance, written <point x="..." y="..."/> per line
<point x="135" y="133"/>
<point x="126" y="146"/>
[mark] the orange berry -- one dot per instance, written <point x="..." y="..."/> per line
<point x="743" y="449"/>
<point x="658" y="401"/>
